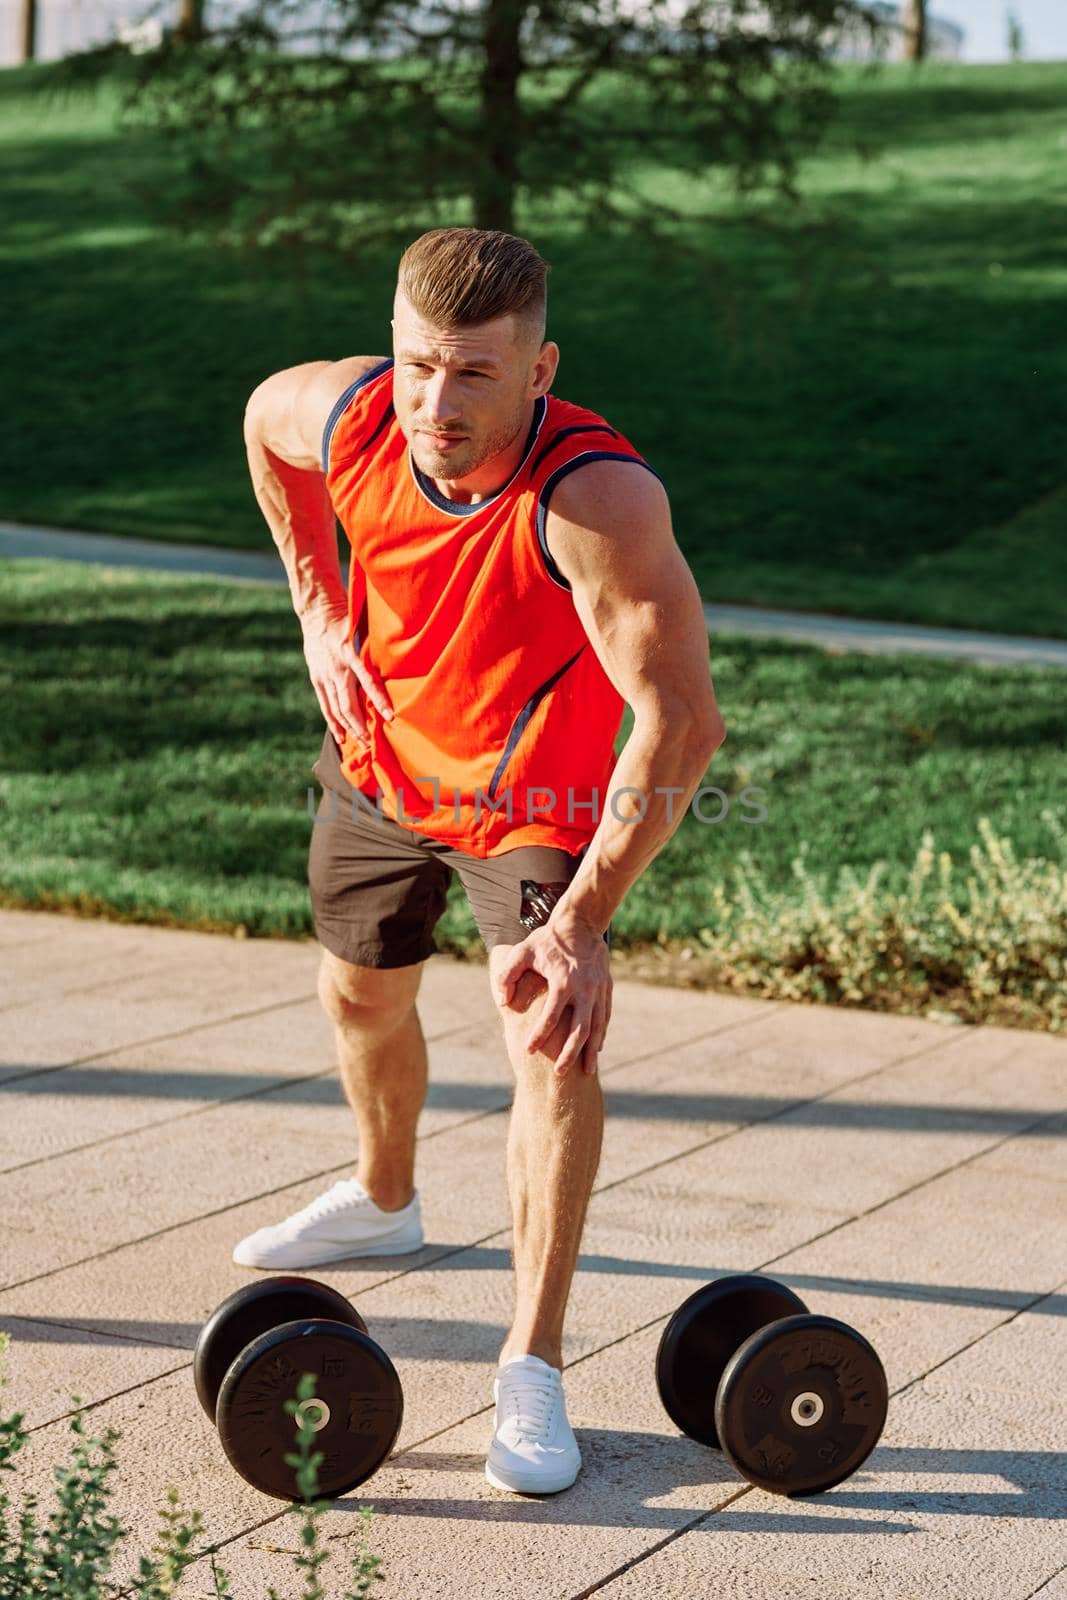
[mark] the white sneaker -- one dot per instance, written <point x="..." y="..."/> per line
<point x="342" y="1222"/>
<point x="533" y="1450"/>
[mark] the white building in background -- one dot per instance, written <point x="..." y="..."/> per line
<point x="64" y="26"/>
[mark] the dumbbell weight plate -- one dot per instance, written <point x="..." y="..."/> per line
<point x="253" y="1310"/>
<point x="801" y="1405"/>
<point x="357" y="1409"/>
<point x="703" y="1334"/>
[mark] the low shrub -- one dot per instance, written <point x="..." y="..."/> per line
<point x="70" y="1555"/>
<point x="980" y="943"/>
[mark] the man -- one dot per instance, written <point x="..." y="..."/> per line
<point x="514" y="580"/>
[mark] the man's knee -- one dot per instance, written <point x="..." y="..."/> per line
<point x="377" y="998"/>
<point x="521" y="1014"/>
<point x="530" y="987"/>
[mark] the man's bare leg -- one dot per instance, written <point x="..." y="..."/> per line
<point x="553" y="1152"/>
<point x="381" y="1054"/>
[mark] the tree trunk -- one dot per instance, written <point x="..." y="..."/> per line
<point x="28" y="31"/>
<point x="495" y="189"/>
<point x="914" y="30"/>
<point x="190" y="21"/>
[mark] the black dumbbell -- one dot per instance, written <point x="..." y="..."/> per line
<point x="248" y="1361"/>
<point x="795" y="1401"/>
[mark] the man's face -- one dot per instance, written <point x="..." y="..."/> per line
<point x="462" y="394"/>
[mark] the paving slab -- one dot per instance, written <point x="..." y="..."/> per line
<point x="46" y="1364"/>
<point x="1043" y="1154"/>
<point x="1019" y="1360"/>
<point x="134" y="1278"/>
<point x="865" y="1143"/>
<point x="238" y="1060"/>
<point x="179" y="993"/>
<point x="122" y="983"/>
<point x="92" y="935"/>
<point x="51" y="1113"/>
<point x="1054" y="1589"/>
<point x="61" y="958"/>
<point x="974" y="1239"/>
<point x="640" y="1479"/>
<point x="925" y="1544"/>
<point x="76" y="1205"/>
<point x="1008" y="1441"/>
<point x="17" y="932"/>
<point x="908" y="1178"/>
<point x="658" y="1108"/>
<point x="103" y="1013"/>
<point x="640" y="1257"/>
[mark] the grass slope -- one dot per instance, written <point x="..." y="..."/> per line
<point x="882" y="436"/>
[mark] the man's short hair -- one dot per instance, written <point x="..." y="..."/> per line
<point x="459" y="277"/>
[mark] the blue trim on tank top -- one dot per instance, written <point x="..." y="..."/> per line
<point x="342" y="404"/>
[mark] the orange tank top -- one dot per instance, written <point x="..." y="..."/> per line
<point x="505" y="721"/>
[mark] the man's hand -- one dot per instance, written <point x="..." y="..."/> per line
<point x="573" y="958"/>
<point x="338" y="674"/>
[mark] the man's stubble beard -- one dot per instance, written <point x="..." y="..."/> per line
<point x="452" y="465"/>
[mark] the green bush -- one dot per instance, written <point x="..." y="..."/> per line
<point x="69" y="1557"/>
<point x="999" y="936"/>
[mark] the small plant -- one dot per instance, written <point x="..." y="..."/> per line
<point x="978" y="945"/>
<point x="70" y="1556"/>
<point x="311" y="1555"/>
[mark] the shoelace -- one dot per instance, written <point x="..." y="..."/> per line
<point x="532" y="1404"/>
<point x="339" y="1198"/>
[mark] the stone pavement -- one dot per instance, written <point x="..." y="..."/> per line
<point x="831" y="632"/>
<point x="163" y="1092"/>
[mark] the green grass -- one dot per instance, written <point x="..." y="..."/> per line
<point x="883" y="434"/>
<point x="160" y="732"/>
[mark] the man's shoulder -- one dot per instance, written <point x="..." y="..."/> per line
<point x="335" y="385"/>
<point x="598" y="487"/>
<point x="585" y="463"/>
<point x="337" y="390"/>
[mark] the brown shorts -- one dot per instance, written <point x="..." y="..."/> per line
<point x="378" y="888"/>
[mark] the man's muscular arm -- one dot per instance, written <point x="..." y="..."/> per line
<point x="609" y="531"/>
<point x="283" y="427"/>
<point x="284" y="423"/>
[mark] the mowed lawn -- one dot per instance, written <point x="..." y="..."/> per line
<point x="159" y="733"/>
<point x="883" y="432"/>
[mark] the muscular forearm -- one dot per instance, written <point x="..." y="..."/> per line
<point x="666" y="771"/>
<point x="301" y="520"/>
